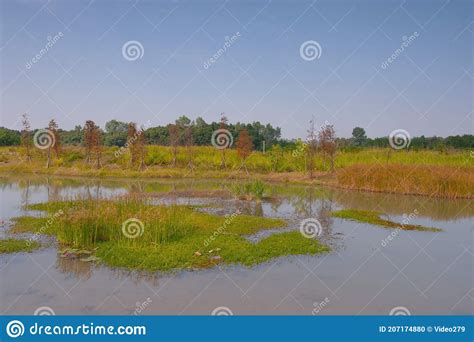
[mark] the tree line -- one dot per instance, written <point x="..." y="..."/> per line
<point x="359" y="139"/>
<point x="263" y="136"/>
<point x="92" y="138"/>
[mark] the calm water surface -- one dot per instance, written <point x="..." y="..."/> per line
<point x="427" y="273"/>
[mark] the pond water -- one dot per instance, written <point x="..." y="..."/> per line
<point x="370" y="270"/>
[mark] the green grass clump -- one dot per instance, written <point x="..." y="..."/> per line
<point x="373" y="217"/>
<point x="254" y="190"/>
<point x="169" y="237"/>
<point x="29" y="224"/>
<point x="16" y="246"/>
<point x="228" y="249"/>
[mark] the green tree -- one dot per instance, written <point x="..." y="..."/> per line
<point x="9" y="137"/>
<point x="115" y="133"/>
<point x="359" y="138"/>
<point x="72" y="137"/>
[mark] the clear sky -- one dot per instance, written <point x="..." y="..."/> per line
<point x="261" y="76"/>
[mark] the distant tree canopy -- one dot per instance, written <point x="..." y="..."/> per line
<point x="9" y="137"/>
<point x="115" y="134"/>
<point x="465" y="141"/>
<point x="359" y="138"/>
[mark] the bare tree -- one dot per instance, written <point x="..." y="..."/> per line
<point x="57" y="141"/>
<point x="93" y="143"/>
<point x="244" y="147"/>
<point x="141" y="149"/>
<point x="327" y="141"/>
<point x="26" y="140"/>
<point x="223" y="125"/>
<point x="89" y="129"/>
<point x="312" y="145"/>
<point x="97" y="146"/>
<point x="132" y="135"/>
<point x="53" y="130"/>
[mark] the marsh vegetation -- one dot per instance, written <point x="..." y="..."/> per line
<point x="129" y="232"/>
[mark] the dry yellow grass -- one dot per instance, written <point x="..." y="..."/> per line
<point x="428" y="180"/>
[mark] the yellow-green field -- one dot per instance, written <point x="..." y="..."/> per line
<point x="447" y="174"/>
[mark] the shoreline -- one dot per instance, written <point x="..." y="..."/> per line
<point x="294" y="178"/>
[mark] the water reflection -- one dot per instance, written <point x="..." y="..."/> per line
<point x="91" y="284"/>
<point x="80" y="269"/>
<point x="298" y="201"/>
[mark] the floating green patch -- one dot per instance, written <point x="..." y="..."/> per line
<point x="131" y="233"/>
<point x="373" y="217"/>
<point x="16" y="246"/>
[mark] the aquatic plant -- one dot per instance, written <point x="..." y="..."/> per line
<point x="17" y="245"/>
<point x="254" y="190"/>
<point x="374" y="218"/>
<point x="128" y="231"/>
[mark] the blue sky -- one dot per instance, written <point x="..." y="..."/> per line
<point x="426" y="89"/>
